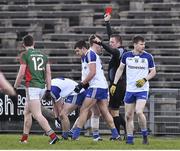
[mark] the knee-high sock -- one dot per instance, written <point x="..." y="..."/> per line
<point x="117" y="123"/>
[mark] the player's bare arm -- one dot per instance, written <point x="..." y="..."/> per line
<point x="151" y="74"/>
<point x="48" y="76"/>
<point x="119" y="73"/>
<point x="5" y="86"/>
<point x="91" y="74"/>
<point x="20" y="75"/>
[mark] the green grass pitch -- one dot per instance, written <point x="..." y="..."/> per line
<point x="11" y="141"/>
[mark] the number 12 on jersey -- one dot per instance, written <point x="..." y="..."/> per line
<point x="38" y="63"/>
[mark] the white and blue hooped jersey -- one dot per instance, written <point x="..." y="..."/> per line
<point x="137" y="67"/>
<point x="99" y="80"/>
<point x="62" y="87"/>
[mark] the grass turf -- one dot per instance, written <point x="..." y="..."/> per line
<point x="11" y="141"/>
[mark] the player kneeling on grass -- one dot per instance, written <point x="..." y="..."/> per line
<point x="66" y="101"/>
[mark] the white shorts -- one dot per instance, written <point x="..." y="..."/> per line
<point x="33" y="93"/>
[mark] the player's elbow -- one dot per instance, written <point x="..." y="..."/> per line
<point x="154" y="73"/>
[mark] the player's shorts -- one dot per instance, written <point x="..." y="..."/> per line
<point x="131" y="97"/>
<point x="55" y="92"/>
<point x="33" y="93"/>
<point x="97" y="93"/>
<point x="76" y="99"/>
<point x="117" y="99"/>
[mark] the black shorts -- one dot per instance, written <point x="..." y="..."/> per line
<point x="117" y="99"/>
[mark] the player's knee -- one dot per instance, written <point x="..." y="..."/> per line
<point x="62" y="115"/>
<point x="114" y="113"/>
<point x="38" y="116"/>
<point x="84" y="110"/>
<point x="139" y="112"/>
<point x="129" y="116"/>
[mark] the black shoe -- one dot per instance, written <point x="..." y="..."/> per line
<point x="145" y="140"/>
<point x="54" y="140"/>
<point x="118" y="138"/>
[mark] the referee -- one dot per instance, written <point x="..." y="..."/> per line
<point x="116" y="50"/>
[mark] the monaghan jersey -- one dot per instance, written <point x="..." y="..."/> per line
<point x="99" y="80"/>
<point x="62" y="87"/>
<point x="137" y="67"/>
<point x="36" y="65"/>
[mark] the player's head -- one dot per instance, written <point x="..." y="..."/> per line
<point x="80" y="47"/>
<point x="139" y="43"/>
<point x="28" y="41"/>
<point x="115" y="41"/>
<point x="95" y="46"/>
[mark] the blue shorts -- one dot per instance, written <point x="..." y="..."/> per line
<point x="76" y="99"/>
<point x="97" y="93"/>
<point x="131" y="97"/>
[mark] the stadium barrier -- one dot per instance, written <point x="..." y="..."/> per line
<point x="162" y="112"/>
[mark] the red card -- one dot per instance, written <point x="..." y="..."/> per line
<point x="108" y="10"/>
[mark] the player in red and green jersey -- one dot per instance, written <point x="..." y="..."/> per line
<point x="36" y="69"/>
<point x="36" y="63"/>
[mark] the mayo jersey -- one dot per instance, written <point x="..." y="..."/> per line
<point x="99" y="80"/>
<point x="137" y="67"/>
<point x="35" y="62"/>
<point x="62" y="87"/>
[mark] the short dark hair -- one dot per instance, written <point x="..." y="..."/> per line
<point x="92" y="37"/>
<point x="28" y="40"/>
<point x="138" y="38"/>
<point x="80" y="44"/>
<point x="117" y="37"/>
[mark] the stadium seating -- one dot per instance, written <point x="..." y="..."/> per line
<point x="58" y="24"/>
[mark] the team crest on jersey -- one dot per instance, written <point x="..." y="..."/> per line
<point x="136" y="60"/>
<point x="143" y="60"/>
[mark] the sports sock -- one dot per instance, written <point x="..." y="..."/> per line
<point x="144" y="132"/>
<point x="65" y="134"/>
<point x="76" y="132"/>
<point x="95" y="134"/>
<point x="24" y="137"/>
<point x="122" y="122"/>
<point x="117" y="123"/>
<point x="51" y="134"/>
<point x="114" y="133"/>
<point x="130" y="139"/>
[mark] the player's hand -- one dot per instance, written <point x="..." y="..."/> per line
<point x="113" y="89"/>
<point x="78" y="87"/>
<point x="47" y="95"/>
<point x="107" y="17"/>
<point x="97" y="41"/>
<point x="141" y="82"/>
<point x="57" y="123"/>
